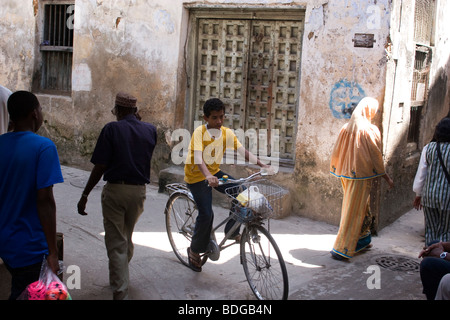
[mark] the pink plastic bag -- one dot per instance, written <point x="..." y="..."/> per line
<point x="48" y="287"/>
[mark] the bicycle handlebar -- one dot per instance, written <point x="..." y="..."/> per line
<point x="262" y="172"/>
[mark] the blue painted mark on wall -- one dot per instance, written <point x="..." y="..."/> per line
<point x="344" y="97"/>
<point x="164" y="20"/>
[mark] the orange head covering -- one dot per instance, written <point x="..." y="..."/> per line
<point x="357" y="153"/>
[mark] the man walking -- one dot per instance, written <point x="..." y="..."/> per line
<point x="122" y="156"/>
<point x="29" y="167"/>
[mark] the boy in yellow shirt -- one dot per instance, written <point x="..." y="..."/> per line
<point x="206" y="150"/>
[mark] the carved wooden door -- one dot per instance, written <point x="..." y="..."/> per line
<point x="253" y="66"/>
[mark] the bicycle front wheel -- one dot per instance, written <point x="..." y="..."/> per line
<point x="264" y="266"/>
<point x="181" y="214"/>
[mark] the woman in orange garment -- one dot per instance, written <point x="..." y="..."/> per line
<point x="357" y="159"/>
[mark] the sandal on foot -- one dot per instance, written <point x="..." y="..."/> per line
<point x="194" y="260"/>
<point x="366" y="248"/>
<point x="338" y="257"/>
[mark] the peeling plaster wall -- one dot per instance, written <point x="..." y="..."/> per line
<point x="17" y="45"/>
<point x="124" y="46"/>
<point x="400" y="157"/>
<point x="118" y="46"/>
<point x="127" y="45"/>
<point x="334" y="72"/>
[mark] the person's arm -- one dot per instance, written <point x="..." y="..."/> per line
<point x="435" y="250"/>
<point x="419" y="179"/>
<point x="46" y="208"/>
<point x="94" y="178"/>
<point x="198" y="159"/>
<point x="388" y="180"/>
<point x="251" y="157"/>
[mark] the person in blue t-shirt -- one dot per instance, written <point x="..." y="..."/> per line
<point x="29" y="167"/>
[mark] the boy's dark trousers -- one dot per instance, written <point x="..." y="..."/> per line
<point x="202" y="194"/>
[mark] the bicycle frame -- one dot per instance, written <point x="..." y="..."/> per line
<point x="221" y="246"/>
<point x="267" y="277"/>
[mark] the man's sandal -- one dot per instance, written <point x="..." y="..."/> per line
<point x="194" y="260"/>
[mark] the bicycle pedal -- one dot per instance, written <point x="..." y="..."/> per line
<point x="213" y="250"/>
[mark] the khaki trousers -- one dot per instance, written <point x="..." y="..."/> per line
<point x="122" y="206"/>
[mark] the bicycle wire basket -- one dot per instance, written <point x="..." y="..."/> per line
<point x="263" y="205"/>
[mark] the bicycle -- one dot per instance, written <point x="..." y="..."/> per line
<point x="260" y="256"/>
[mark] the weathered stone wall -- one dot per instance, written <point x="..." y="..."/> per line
<point x="17" y="44"/>
<point x="334" y="72"/>
<point x="127" y="46"/>
<point x="140" y="47"/>
<point x="402" y="157"/>
<point x="438" y="104"/>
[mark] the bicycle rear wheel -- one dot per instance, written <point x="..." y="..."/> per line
<point x="181" y="214"/>
<point x="263" y="264"/>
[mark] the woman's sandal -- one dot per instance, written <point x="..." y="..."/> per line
<point x="194" y="260"/>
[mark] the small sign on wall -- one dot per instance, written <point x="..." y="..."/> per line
<point x="363" y="40"/>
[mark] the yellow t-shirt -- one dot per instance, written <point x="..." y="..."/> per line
<point x="213" y="151"/>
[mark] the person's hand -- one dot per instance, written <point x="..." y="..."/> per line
<point x="390" y="182"/>
<point x="213" y="181"/>
<point x="267" y="170"/>
<point x="82" y="206"/>
<point x="434" y="250"/>
<point x="417" y="203"/>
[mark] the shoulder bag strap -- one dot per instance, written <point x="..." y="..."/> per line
<point x="438" y="148"/>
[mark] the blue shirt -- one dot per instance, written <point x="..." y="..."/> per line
<point x="126" y="148"/>
<point x="28" y="162"/>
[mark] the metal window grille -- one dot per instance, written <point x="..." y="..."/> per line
<point x="57" y="47"/>
<point x="419" y="90"/>
<point x="420" y="75"/>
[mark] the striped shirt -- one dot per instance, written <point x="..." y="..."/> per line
<point x="436" y="193"/>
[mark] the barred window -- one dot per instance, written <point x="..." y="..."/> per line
<point x="425" y="11"/>
<point x="421" y="73"/>
<point x="57" y="47"/>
